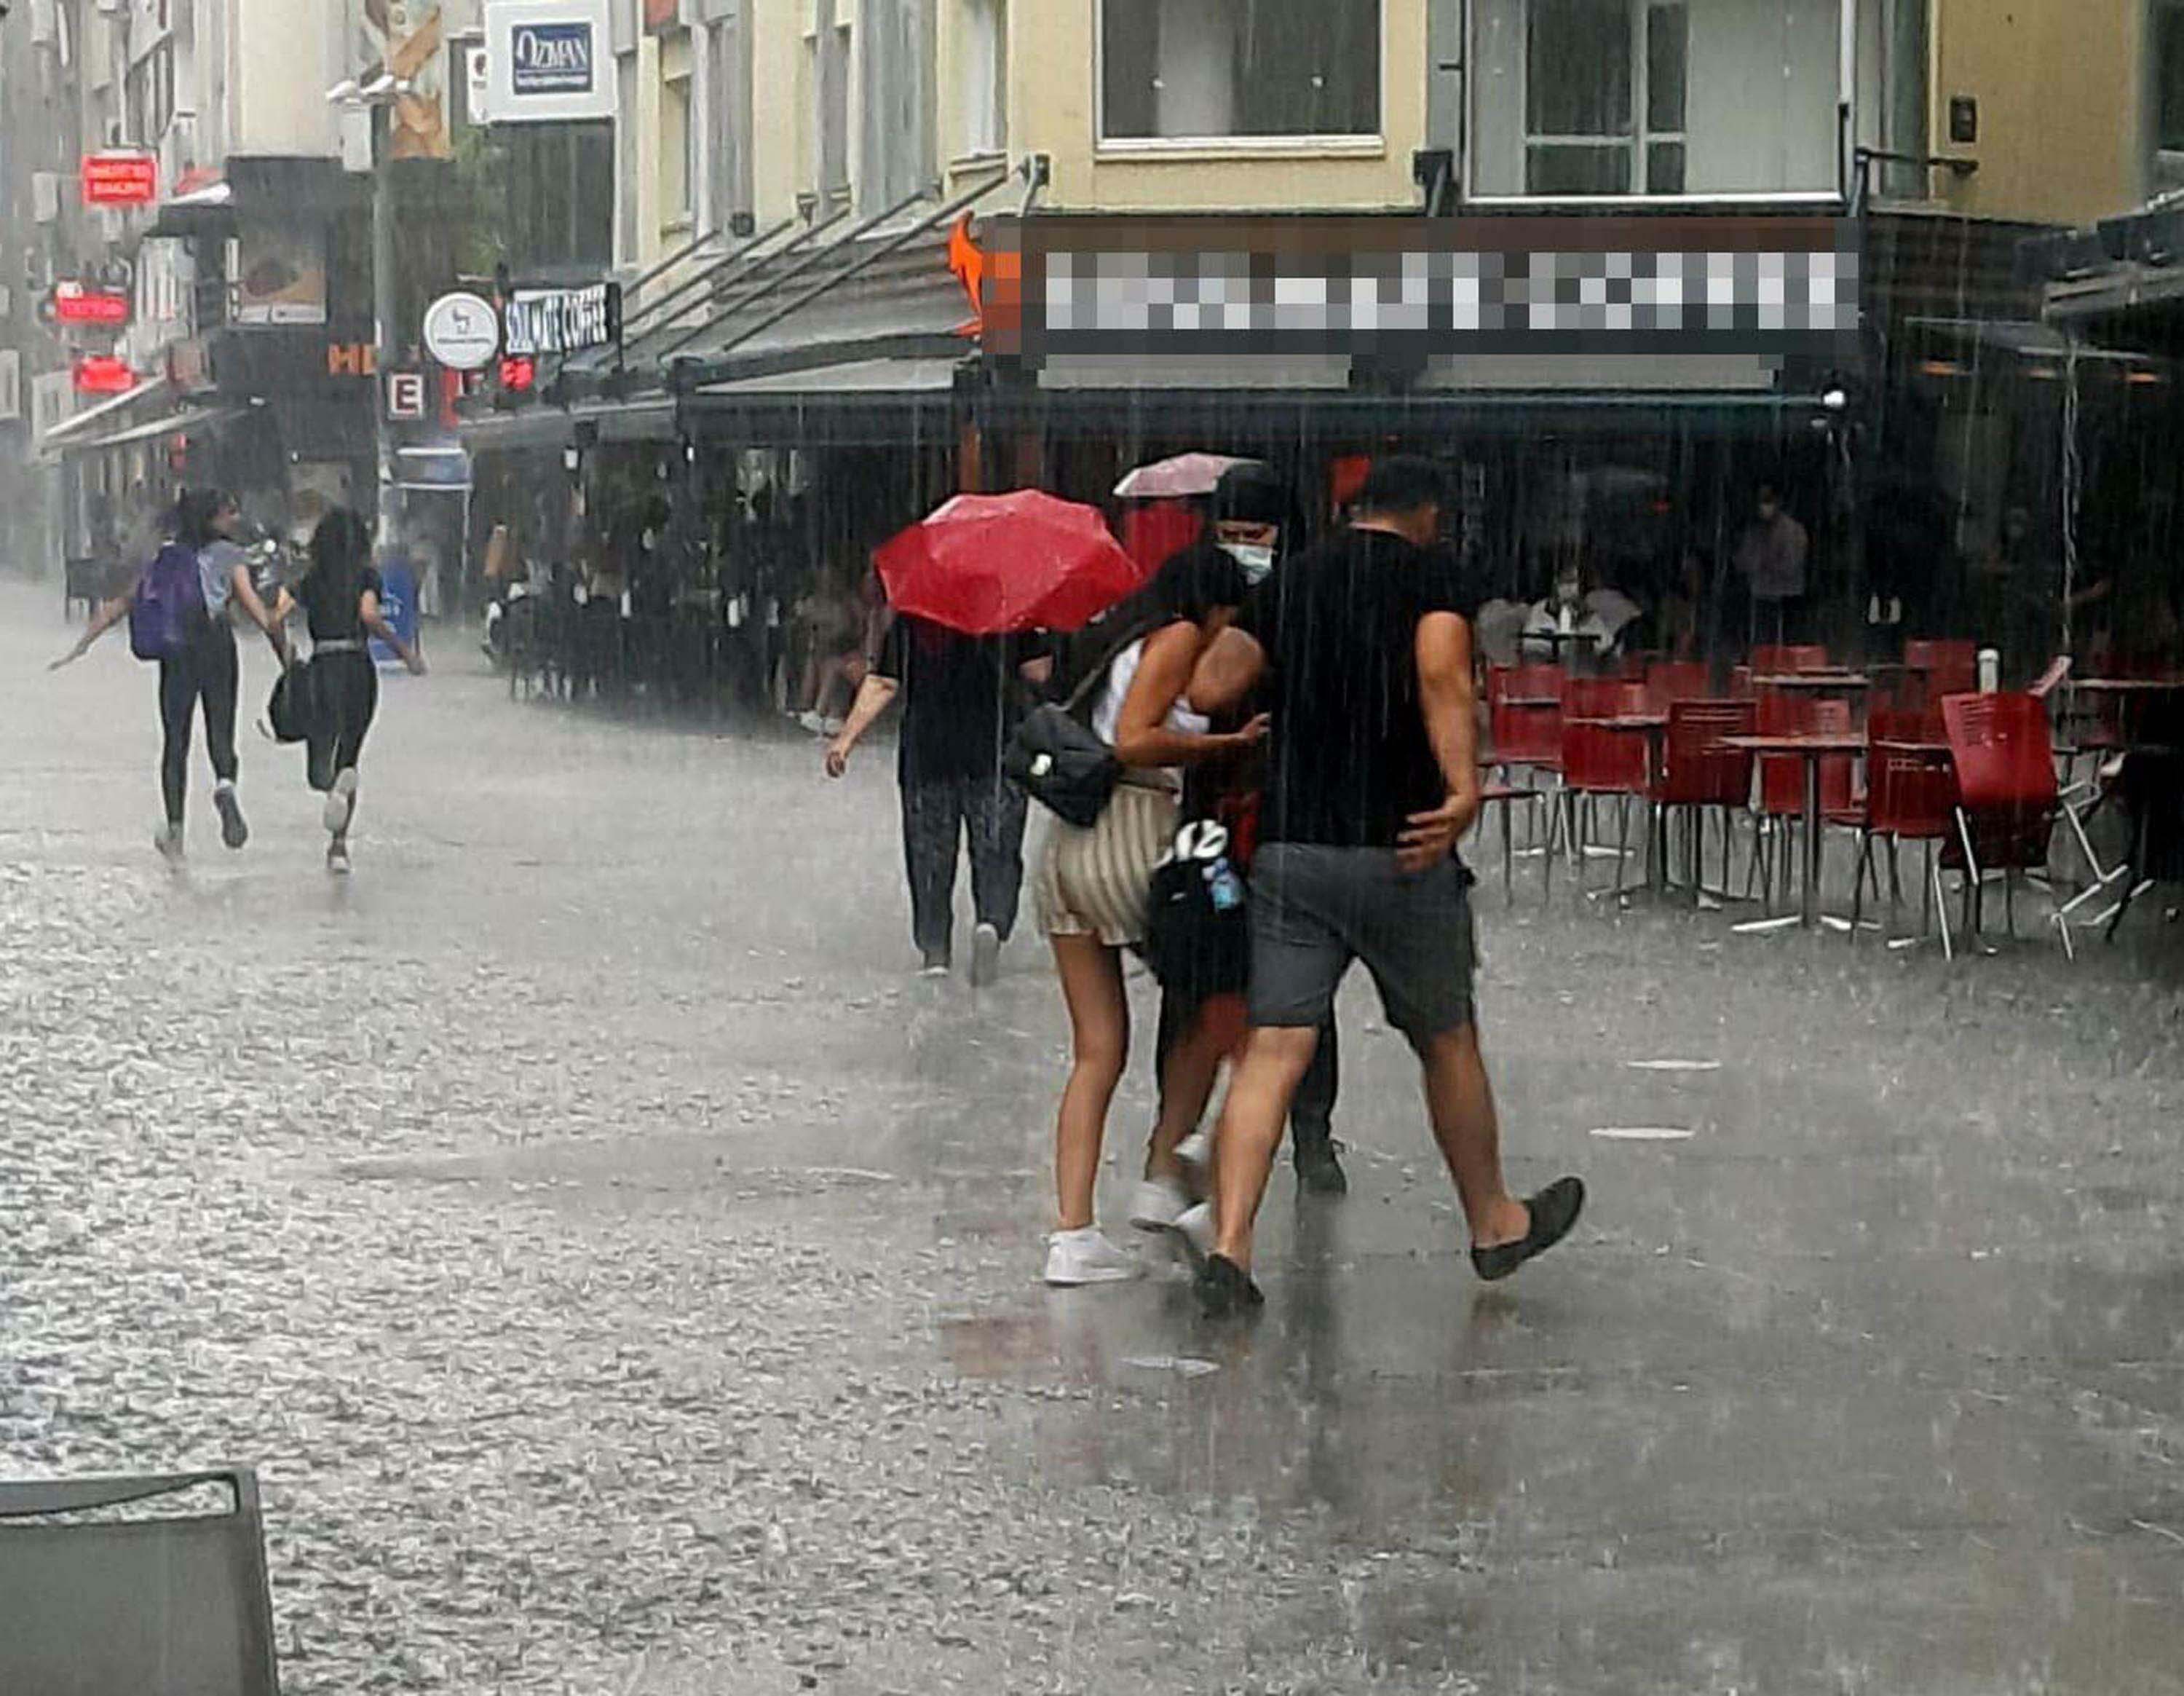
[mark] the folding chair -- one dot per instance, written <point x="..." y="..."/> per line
<point x="93" y="1604"/>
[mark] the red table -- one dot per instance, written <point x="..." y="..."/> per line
<point x="1811" y="747"/>
<point x="1818" y="682"/>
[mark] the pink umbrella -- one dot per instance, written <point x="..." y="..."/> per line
<point x="1184" y="476"/>
<point x="986" y="565"/>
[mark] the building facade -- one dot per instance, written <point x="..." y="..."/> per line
<point x="774" y="187"/>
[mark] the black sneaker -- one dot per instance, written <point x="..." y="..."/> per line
<point x="1318" y="1172"/>
<point x="1224" y="1288"/>
<point x="1554" y="1210"/>
<point x="232" y="830"/>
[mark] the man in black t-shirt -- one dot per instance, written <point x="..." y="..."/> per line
<point x="961" y="699"/>
<point x="1363" y="647"/>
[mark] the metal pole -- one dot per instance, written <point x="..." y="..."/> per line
<point x="385" y="352"/>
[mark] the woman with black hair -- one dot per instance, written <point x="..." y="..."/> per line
<point x="205" y="669"/>
<point x="1094" y="884"/>
<point x="340" y="597"/>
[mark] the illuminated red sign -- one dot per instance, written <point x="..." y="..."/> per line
<point x="102" y="375"/>
<point x="120" y="177"/>
<point x="518" y="375"/>
<point x="77" y="303"/>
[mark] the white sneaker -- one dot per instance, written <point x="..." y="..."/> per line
<point x="1195" y="1225"/>
<point x="985" y="956"/>
<point x="813" y="722"/>
<point x="1086" y="1257"/>
<point x="341" y="801"/>
<point x="1158" y="1203"/>
<point x="169" y="842"/>
<point x="1195" y="1151"/>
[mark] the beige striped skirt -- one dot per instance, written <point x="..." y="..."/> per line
<point x="1096" y="881"/>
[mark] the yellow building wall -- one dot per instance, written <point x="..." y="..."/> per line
<point x="1053" y="109"/>
<point x="2062" y="106"/>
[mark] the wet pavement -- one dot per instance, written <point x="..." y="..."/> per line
<point x="622" y="1270"/>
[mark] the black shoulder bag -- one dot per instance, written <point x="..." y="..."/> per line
<point x="1055" y="755"/>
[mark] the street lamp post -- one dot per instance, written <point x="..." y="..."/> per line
<point x="376" y="98"/>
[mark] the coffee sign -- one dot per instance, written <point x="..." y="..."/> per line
<point x="560" y="320"/>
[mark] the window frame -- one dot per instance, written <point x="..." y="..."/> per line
<point x="1845" y="101"/>
<point x="1333" y="144"/>
<point x="967" y="148"/>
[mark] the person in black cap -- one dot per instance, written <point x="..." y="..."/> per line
<point x="1252" y="519"/>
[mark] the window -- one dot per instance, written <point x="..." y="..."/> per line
<point x="2169" y="94"/>
<point x="1892" y="92"/>
<point x="1604" y="112"/>
<point x="1214" y="70"/>
<point x="827" y="82"/>
<point x="897" y="75"/>
<point x="678" y="176"/>
<point x="1654" y="98"/>
<point x="982" y="62"/>
<point x="728" y="117"/>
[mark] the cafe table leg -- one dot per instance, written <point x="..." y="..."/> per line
<point x="1812" y="840"/>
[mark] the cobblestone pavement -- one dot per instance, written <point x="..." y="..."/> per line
<point x="621" y="1271"/>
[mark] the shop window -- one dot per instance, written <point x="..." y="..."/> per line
<point x="1655" y="98"/>
<point x="983" y="61"/>
<point x="1227" y="70"/>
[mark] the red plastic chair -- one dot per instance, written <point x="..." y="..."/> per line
<point x="2008" y="794"/>
<point x="1599" y="763"/>
<point x="1698" y="773"/>
<point x="1948" y="668"/>
<point x="1669" y="681"/>
<point x="1526" y="739"/>
<point x="1525" y="736"/>
<point x="1911" y="796"/>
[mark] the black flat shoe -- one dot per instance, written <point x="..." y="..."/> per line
<point x="1554" y="1210"/>
<point x="1319" y="1173"/>
<point x="1225" y="1288"/>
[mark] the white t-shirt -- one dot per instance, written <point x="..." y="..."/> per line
<point x="1106" y="716"/>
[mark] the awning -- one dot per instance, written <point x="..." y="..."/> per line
<point x="208" y="211"/>
<point x="194" y="422"/>
<point x="651" y="420"/>
<point x="871" y="401"/>
<point x="93" y="419"/>
<point x="2021" y="338"/>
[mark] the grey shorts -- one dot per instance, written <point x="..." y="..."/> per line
<point x="1314" y="910"/>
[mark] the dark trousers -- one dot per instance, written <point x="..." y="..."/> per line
<point x="1311" y="1112"/>
<point x="205" y="670"/>
<point x="938" y="810"/>
<point x="344" y="696"/>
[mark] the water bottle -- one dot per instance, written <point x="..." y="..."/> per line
<point x="1989" y="670"/>
<point x="1225" y="887"/>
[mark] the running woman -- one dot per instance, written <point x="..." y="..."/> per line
<point x="339" y="595"/>
<point x="206" y="670"/>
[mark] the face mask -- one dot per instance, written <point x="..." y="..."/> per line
<point x="1256" y="561"/>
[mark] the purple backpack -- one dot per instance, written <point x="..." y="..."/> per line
<point x="168" y="606"/>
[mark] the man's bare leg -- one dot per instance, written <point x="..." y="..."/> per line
<point x="1461" y="1100"/>
<point x="1274" y="1061"/>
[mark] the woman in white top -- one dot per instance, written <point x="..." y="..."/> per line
<point x="1093" y="884"/>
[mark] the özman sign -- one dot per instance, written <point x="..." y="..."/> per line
<point x="549" y="61"/>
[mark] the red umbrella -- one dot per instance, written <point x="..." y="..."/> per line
<point x="990" y="565"/>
